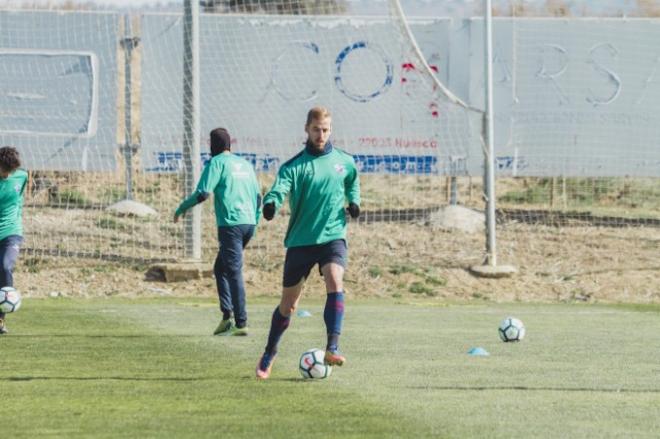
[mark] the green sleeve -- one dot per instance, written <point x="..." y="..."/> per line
<point x="207" y="183"/>
<point x="25" y="182"/>
<point x="352" y="184"/>
<point x="189" y="202"/>
<point x="259" y="206"/>
<point x="280" y="188"/>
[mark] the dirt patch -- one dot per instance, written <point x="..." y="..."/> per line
<point x="546" y="229"/>
<point x="409" y="260"/>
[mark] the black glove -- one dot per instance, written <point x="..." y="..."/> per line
<point x="353" y="210"/>
<point x="269" y="211"/>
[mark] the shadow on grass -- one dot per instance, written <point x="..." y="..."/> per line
<point x="124" y="378"/>
<point x="536" y="389"/>
<point x="108" y="378"/>
<point x="297" y="380"/>
<point x="115" y="336"/>
<point x="281" y="380"/>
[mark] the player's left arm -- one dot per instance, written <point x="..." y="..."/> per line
<point x="274" y="199"/>
<point x="207" y="182"/>
<point x="352" y="189"/>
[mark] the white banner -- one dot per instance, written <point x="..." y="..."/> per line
<point x="573" y="97"/>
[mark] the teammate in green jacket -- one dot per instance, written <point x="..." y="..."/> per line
<point x="237" y="202"/>
<point x="319" y="181"/>
<point x="12" y="187"/>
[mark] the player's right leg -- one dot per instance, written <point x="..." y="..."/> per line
<point x="279" y="323"/>
<point x="9" y="250"/>
<point x="297" y="265"/>
<point x="234" y="240"/>
<point x="224" y="327"/>
<point x="224" y="296"/>
<point x="265" y="365"/>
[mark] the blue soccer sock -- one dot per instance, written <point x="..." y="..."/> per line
<point x="333" y="315"/>
<point x="278" y="325"/>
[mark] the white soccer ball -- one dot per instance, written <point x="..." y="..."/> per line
<point x="311" y="365"/>
<point x="511" y="329"/>
<point x="10" y="299"/>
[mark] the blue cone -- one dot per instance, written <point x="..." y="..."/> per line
<point x="303" y="313"/>
<point x="478" y="352"/>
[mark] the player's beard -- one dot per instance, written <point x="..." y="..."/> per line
<point x="319" y="144"/>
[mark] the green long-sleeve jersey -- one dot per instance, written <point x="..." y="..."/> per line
<point x="11" y="203"/>
<point x="318" y="188"/>
<point x="233" y="183"/>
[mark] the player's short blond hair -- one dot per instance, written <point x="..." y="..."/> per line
<point x="317" y="113"/>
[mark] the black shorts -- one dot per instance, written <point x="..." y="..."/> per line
<point x="300" y="260"/>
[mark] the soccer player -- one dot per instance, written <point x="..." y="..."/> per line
<point x="319" y="181"/>
<point x="12" y="187"/>
<point x="237" y="201"/>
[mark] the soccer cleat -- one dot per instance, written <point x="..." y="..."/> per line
<point x="224" y="327"/>
<point x="334" y="358"/>
<point x="264" y="366"/>
<point x="3" y="328"/>
<point x="239" y="332"/>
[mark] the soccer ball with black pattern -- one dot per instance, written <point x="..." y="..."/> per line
<point x="10" y="299"/>
<point x="511" y="329"/>
<point x="311" y="365"/>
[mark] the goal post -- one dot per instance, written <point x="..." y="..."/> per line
<point x="191" y="126"/>
<point x="574" y="149"/>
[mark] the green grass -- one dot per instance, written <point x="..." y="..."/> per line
<point x="149" y="368"/>
<point x="420" y="288"/>
<point x="622" y="197"/>
<point x="111" y="224"/>
<point x="70" y="197"/>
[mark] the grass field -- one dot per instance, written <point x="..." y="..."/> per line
<point x="149" y="368"/>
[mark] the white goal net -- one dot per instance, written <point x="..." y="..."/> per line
<point x="575" y="140"/>
<point x="263" y="64"/>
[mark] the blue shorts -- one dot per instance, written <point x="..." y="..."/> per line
<point x="300" y="260"/>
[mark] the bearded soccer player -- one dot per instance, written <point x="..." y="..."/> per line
<point x="237" y="201"/>
<point x="319" y="181"/>
<point x="12" y="187"/>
